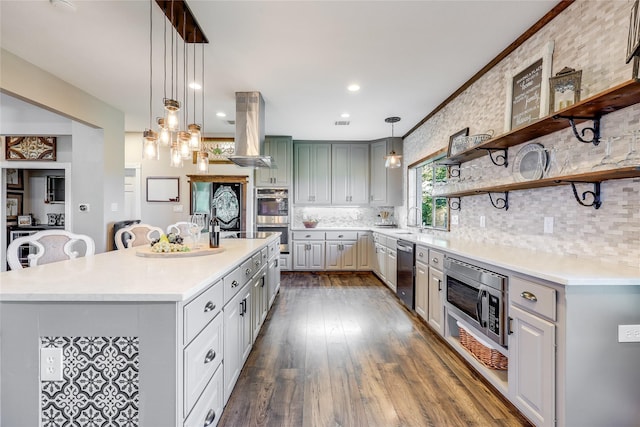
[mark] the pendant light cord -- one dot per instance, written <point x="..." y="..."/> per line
<point x="150" y="62"/>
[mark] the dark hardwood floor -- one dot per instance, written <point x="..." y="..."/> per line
<point x="340" y="350"/>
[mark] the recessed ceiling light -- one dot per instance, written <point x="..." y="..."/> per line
<point x="353" y="87"/>
<point x="345" y="115"/>
<point x="221" y="114"/>
<point x="195" y="85"/>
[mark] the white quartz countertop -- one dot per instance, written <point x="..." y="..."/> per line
<point x="563" y="270"/>
<point x="123" y="276"/>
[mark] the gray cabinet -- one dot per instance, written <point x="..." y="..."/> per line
<point x="436" y="292"/>
<point x="349" y="174"/>
<point x="280" y="148"/>
<point x="365" y="251"/>
<point x="312" y="174"/>
<point x="385" y="184"/>
<point x="422" y="283"/>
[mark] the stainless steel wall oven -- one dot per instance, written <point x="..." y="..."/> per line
<point x="272" y="213"/>
<point x="478" y="296"/>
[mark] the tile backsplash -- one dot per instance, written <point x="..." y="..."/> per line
<point x="331" y="216"/>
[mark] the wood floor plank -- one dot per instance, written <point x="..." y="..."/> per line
<point x="339" y="349"/>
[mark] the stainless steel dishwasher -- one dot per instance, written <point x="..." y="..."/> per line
<point x="406" y="273"/>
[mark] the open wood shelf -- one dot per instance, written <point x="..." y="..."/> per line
<point x="613" y="99"/>
<point x="585" y="177"/>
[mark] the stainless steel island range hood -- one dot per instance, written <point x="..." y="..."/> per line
<point x="249" y="140"/>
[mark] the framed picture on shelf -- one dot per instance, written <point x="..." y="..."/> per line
<point x="527" y="90"/>
<point x="14" y="205"/>
<point x="218" y="148"/>
<point x="15" y="179"/>
<point x="564" y="89"/>
<point x="30" y="148"/>
<point x="458" y="142"/>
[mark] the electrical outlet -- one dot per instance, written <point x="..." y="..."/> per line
<point x="178" y="208"/>
<point x="114" y="207"/>
<point x="50" y="364"/>
<point x="454" y="219"/>
<point x="548" y="225"/>
<point x="628" y="333"/>
<point x="483" y="223"/>
<point x="84" y="207"/>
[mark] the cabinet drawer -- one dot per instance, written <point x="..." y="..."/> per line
<point x="422" y="254"/>
<point x="378" y="238"/>
<point x="308" y="235"/>
<point x="201" y="359"/>
<point x="257" y="261"/>
<point x="237" y="278"/>
<point x="342" y="235"/>
<point x="436" y="259"/>
<point x="202" y="310"/>
<point x="208" y="410"/>
<point x="534" y="297"/>
<point x="273" y="249"/>
<point x="391" y="242"/>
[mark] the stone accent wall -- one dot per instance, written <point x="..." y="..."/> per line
<point x="590" y="36"/>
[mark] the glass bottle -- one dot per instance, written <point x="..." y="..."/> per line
<point x="214" y="230"/>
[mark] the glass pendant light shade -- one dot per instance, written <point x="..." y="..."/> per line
<point x="203" y="162"/>
<point x="194" y="140"/>
<point x="164" y="137"/>
<point x="171" y="107"/>
<point x="150" y="149"/>
<point x="183" y="144"/>
<point x="392" y="161"/>
<point x="175" y="158"/>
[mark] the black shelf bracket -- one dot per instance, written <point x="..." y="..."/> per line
<point x="594" y="130"/>
<point x="454" y="170"/>
<point x="500" y="202"/>
<point x="501" y="158"/>
<point x="454" y="203"/>
<point x="595" y="194"/>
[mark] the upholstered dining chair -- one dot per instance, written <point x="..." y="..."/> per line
<point x="182" y="228"/>
<point x="50" y="246"/>
<point x="136" y="235"/>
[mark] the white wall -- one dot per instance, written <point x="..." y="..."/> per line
<point x="95" y="123"/>
<point x="162" y="214"/>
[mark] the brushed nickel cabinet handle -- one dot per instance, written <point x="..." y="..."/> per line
<point x="211" y="416"/>
<point x="210" y="356"/>
<point x="529" y="296"/>
<point x="248" y="272"/>
<point x="210" y="306"/>
<point x="434" y="260"/>
<point x="420" y="254"/>
<point x="234" y="284"/>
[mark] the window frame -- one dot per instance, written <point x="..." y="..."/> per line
<point x="416" y="193"/>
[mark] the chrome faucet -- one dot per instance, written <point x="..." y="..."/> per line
<point x="417" y="223"/>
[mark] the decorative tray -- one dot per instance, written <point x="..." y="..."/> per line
<point x="146" y="252"/>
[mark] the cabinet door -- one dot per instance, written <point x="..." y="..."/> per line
<point x="280" y="150"/>
<point x="381" y="256"/>
<point x="316" y="256"/>
<point x="273" y="276"/>
<point x="321" y="179"/>
<point x="349" y="255"/>
<point x="365" y="252"/>
<point x="340" y="190"/>
<point x="436" y="303"/>
<point x="264" y="176"/>
<point x="532" y="366"/>
<point x="392" y="269"/>
<point x="300" y="255"/>
<point x="378" y="175"/>
<point x="359" y="174"/>
<point x="247" y="329"/>
<point x="303" y="173"/>
<point x="422" y="290"/>
<point x="232" y="343"/>
<point x="333" y="255"/>
<point x="257" y="297"/>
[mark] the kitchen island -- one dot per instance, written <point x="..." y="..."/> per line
<point x="142" y="339"/>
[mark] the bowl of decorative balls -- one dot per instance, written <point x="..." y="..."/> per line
<point x="168" y="243"/>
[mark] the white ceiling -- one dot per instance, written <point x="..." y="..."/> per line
<point x="407" y="56"/>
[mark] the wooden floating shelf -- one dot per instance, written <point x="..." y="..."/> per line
<point x="613" y="99"/>
<point x="586" y="177"/>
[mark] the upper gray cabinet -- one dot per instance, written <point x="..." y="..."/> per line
<point x="280" y="149"/>
<point x="385" y="184"/>
<point x="349" y="174"/>
<point x="312" y="173"/>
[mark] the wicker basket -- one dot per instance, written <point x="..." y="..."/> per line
<point x="488" y="356"/>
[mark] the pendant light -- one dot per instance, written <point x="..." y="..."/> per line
<point x="150" y="149"/>
<point x="171" y="105"/>
<point x="392" y="161"/>
<point x="194" y="128"/>
<point x="203" y="155"/>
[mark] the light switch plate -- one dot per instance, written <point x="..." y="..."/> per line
<point x="51" y="364"/>
<point x="483" y="223"/>
<point x="454" y="219"/>
<point x="548" y="225"/>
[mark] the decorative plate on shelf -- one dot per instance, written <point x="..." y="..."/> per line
<point x="530" y="163"/>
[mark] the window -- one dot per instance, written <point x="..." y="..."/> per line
<point x="425" y="208"/>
